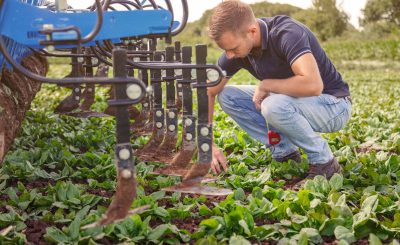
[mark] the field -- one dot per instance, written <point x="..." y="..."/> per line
<point x="60" y="176"/>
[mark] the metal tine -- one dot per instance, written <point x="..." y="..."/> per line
<point x="144" y="117"/>
<point x="164" y="152"/>
<point x="133" y="111"/>
<point x="192" y="181"/>
<point x="88" y="93"/>
<point x="71" y="102"/>
<point x="178" y="75"/>
<point x="158" y="112"/>
<point x="182" y="160"/>
<point x="171" y="136"/>
<point x="126" y="180"/>
<point x="148" y="126"/>
<point x="81" y="66"/>
<point x="90" y="90"/>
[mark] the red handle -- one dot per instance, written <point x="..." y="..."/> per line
<point x="273" y="137"/>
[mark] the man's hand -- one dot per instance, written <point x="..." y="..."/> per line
<point x="259" y="96"/>
<point x="218" y="160"/>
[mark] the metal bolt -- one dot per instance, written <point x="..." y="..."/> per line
<point x="188" y="122"/>
<point x="171" y="114"/>
<point x="133" y="91"/>
<point x="61" y="5"/>
<point x="159" y="125"/>
<point x="194" y="74"/>
<point x="95" y="60"/>
<point x="90" y="90"/>
<point x="189" y="136"/>
<point x="80" y="59"/>
<point x="77" y="90"/>
<point x="124" y="154"/>
<point x="163" y="73"/>
<point x="171" y="127"/>
<point x="77" y="98"/>
<point x="126" y="174"/>
<point x="48" y="26"/>
<point x="159" y="113"/>
<point x="205" y="147"/>
<point x="180" y="94"/>
<point x="212" y="75"/>
<point x="178" y="72"/>
<point x="179" y="85"/>
<point x="146" y="104"/>
<point x="204" y="131"/>
<point x="50" y="48"/>
<point x="149" y="89"/>
<point x="126" y="42"/>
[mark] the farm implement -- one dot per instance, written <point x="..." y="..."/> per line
<point x="124" y="36"/>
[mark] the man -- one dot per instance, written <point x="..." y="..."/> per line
<point x="300" y="92"/>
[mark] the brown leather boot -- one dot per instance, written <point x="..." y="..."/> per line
<point x="327" y="169"/>
<point x="295" y="156"/>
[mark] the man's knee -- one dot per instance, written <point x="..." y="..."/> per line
<point x="276" y="107"/>
<point x="226" y="96"/>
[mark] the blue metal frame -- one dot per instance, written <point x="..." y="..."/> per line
<point x="22" y="22"/>
<point x="17" y="51"/>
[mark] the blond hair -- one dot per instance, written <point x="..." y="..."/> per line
<point x="233" y="16"/>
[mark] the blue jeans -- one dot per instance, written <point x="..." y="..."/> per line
<point x="297" y="120"/>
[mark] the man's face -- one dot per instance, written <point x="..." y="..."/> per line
<point x="236" y="45"/>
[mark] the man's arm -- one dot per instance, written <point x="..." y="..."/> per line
<point x="218" y="158"/>
<point x="306" y="81"/>
<point x="212" y="93"/>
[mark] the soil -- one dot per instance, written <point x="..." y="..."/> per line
<point x="105" y="241"/>
<point x="40" y="183"/>
<point x="372" y="149"/>
<point x="141" y="118"/>
<point x="35" y="230"/>
<point x="147" y="189"/>
<point x="289" y="184"/>
<point x="3" y="209"/>
<point x="16" y="95"/>
<point x="189" y="224"/>
<point x="263" y="242"/>
<point x="263" y="221"/>
<point x="332" y="241"/>
<point x="100" y="192"/>
<point x="147" y="129"/>
<point x="172" y="170"/>
<point x="210" y="199"/>
<point x="165" y="156"/>
<point x="143" y="122"/>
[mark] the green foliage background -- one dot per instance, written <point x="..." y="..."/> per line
<point x="60" y="171"/>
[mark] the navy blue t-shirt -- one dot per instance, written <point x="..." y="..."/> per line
<point x="283" y="40"/>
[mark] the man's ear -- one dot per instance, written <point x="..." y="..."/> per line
<point x="252" y="28"/>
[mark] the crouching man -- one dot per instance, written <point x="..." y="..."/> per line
<point x="300" y="92"/>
